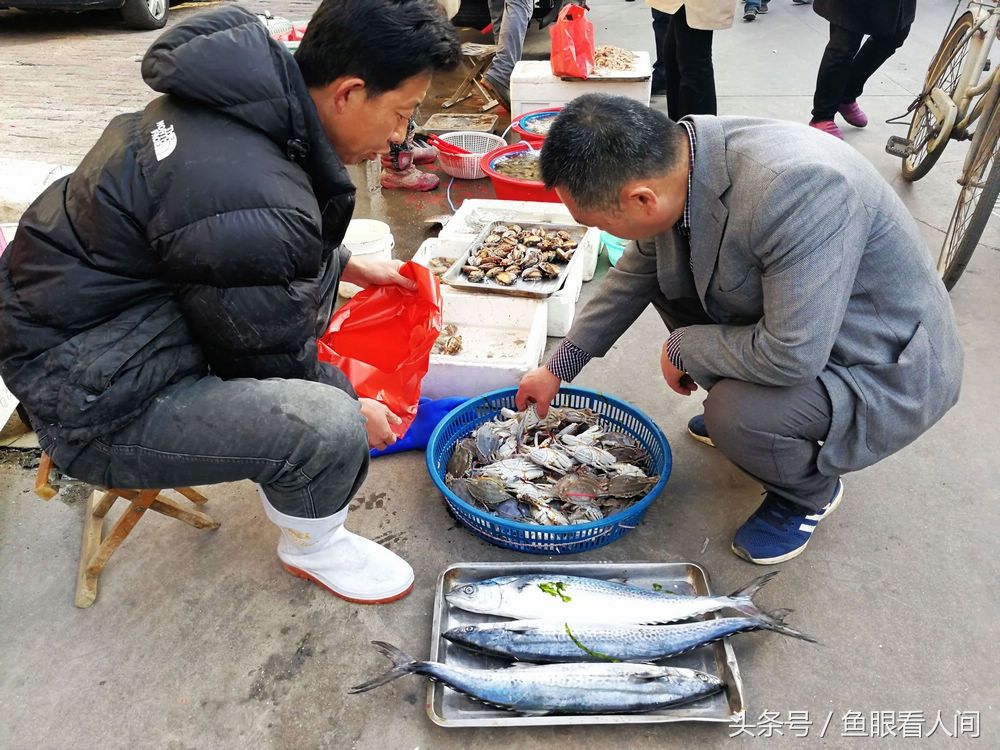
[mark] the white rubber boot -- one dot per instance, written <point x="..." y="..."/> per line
<point x="321" y="550"/>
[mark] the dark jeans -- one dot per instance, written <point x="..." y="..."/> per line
<point x="773" y="434"/>
<point x="304" y="442"/>
<point x="847" y="65"/>
<point x="684" y="64"/>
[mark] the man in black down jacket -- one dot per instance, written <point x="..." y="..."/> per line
<point x="847" y="64"/>
<point x="159" y="307"/>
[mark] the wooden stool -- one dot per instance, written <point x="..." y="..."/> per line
<point x="478" y="57"/>
<point x="96" y="548"/>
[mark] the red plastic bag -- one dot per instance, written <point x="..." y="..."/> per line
<point x="382" y="340"/>
<point x="572" y="43"/>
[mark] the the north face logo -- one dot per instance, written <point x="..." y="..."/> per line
<point x="164" y="140"/>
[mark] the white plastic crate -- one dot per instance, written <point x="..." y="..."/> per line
<point x="532" y="85"/>
<point x="561" y="305"/>
<point x="497" y="349"/>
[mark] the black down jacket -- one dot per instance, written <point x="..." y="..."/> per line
<point x="190" y="240"/>
<point x="878" y="17"/>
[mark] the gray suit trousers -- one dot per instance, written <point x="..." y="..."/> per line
<point x="774" y="434"/>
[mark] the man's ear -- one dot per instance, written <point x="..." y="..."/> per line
<point x="345" y="90"/>
<point x="641" y="197"/>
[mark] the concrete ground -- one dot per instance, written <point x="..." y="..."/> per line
<point x="200" y="640"/>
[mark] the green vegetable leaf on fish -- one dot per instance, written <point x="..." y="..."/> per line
<point x="555" y="588"/>
<point x="658" y="588"/>
<point x="590" y="651"/>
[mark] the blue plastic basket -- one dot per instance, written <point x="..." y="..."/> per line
<point x="535" y="538"/>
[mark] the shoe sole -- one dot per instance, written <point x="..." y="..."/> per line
<point x="749" y="16"/>
<point x="795" y="552"/>
<point x="853" y="124"/>
<point x="707" y="440"/>
<point x="299" y="573"/>
<point x="494" y="93"/>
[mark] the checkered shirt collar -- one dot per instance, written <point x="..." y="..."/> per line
<point x="684" y="225"/>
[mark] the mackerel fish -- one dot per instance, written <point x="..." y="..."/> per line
<point x="548" y="596"/>
<point x="560" y="688"/>
<point x="546" y="641"/>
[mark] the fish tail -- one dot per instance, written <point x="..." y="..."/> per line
<point x="742" y="599"/>
<point x="402" y="664"/>
<point x="775" y="620"/>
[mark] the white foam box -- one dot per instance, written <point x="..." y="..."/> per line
<point x="561" y="305"/>
<point x="532" y="85"/>
<point x="498" y="348"/>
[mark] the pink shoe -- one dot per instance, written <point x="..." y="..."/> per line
<point x="410" y="178"/>
<point x="426" y="155"/>
<point x="853" y="114"/>
<point x="827" y="126"/>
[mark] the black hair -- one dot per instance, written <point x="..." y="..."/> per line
<point x="598" y="143"/>
<point x="382" y="42"/>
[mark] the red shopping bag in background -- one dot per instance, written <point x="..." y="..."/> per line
<point x="382" y="340"/>
<point x="572" y="43"/>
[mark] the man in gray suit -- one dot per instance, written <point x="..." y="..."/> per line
<point x="794" y="282"/>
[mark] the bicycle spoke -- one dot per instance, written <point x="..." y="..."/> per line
<point x="975" y="181"/>
<point x="944" y="74"/>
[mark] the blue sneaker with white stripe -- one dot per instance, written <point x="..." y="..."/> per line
<point x="698" y="430"/>
<point x="780" y="529"/>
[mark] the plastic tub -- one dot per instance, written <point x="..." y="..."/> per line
<point x="534" y="538"/>
<point x="366" y="238"/>
<point x="614" y="246"/>
<point x="512" y="188"/>
<point x="535" y="139"/>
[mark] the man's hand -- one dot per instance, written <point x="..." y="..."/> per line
<point x="678" y="380"/>
<point x="537" y="387"/>
<point x="366" y="272"/>
<point x="377" y="420"/>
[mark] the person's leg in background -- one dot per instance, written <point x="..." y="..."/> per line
<point x="309" y="460"/>
<point x="752" y="8"/>
<point x="873" y="53"/>
<point x="831" y="80"/>
<point x="775" y="435"/>
<point x="661" y="27"/>
<point x="398" y="166"/>
<point x="693" y="55"/>
<point x="672" y="71"/>
<point x="510" y="25"/>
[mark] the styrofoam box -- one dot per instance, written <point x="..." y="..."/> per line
<point x="497" y="349"/>
<point x="532" y="85"/>
<point x="475" y="213"/>
<point x="561" y="305"/>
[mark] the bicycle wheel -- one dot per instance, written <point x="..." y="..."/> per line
<point x="944" y="73"/>
<point x="980" y="189"/>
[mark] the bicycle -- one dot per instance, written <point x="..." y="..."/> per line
<point x="956" y="95"/>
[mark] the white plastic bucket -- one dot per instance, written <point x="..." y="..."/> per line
<point x="368" y="238"/>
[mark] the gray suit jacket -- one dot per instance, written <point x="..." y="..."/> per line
<point x="808" y="265"/>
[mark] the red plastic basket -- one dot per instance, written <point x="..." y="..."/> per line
<point x="512" y="188"/>
<point x="535" y="139"/>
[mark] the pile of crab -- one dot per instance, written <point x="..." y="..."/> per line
<point x="511" y="252"/>
<point x="560" y="470"/>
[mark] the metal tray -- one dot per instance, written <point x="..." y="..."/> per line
<point x="448" y="708"/>
<point x="444" y="123"/>
<point x="454" y="278"/>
